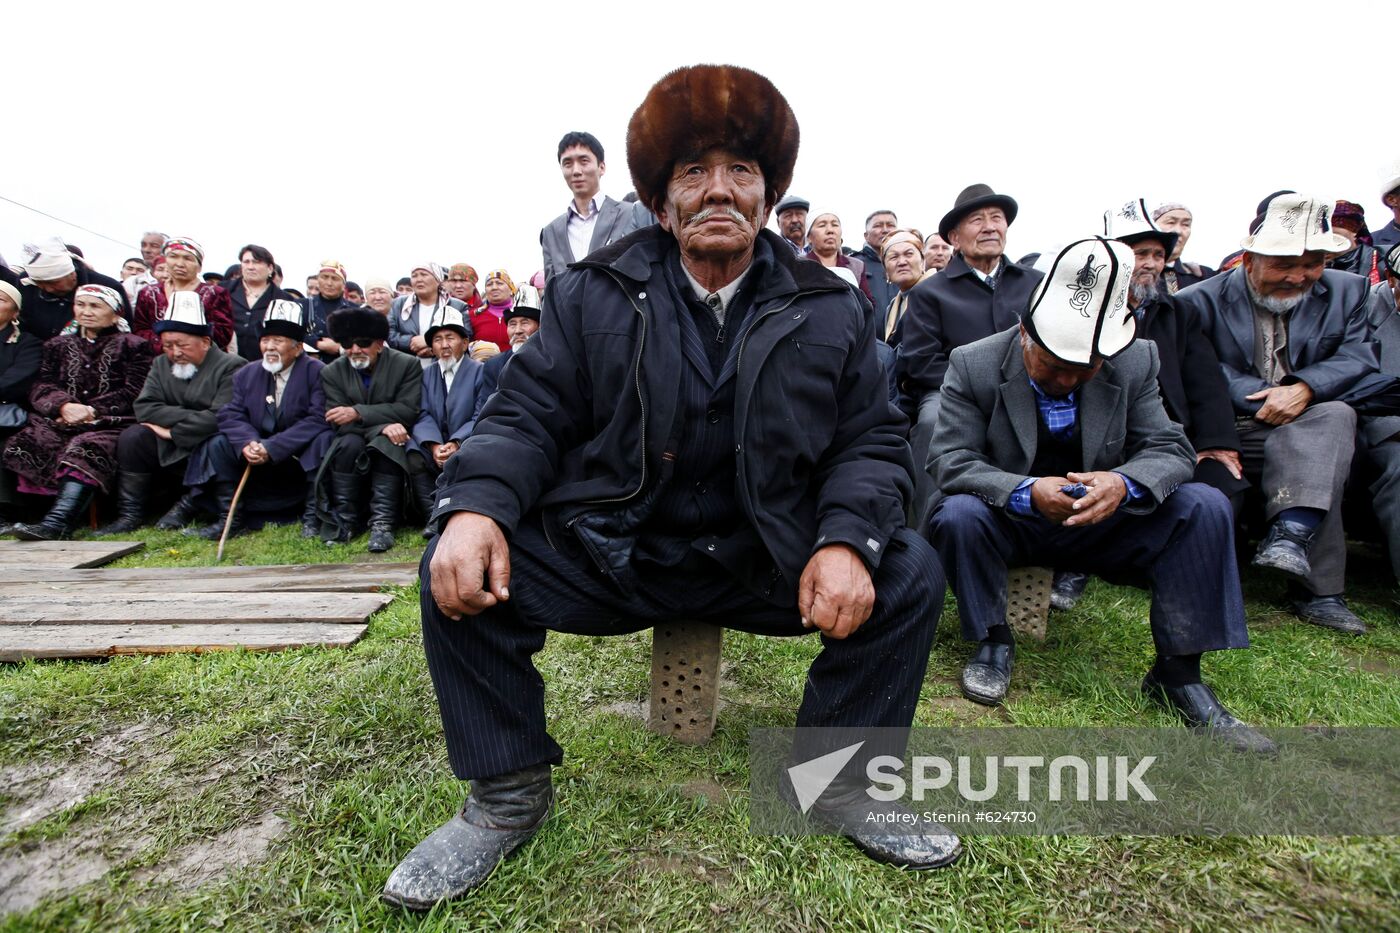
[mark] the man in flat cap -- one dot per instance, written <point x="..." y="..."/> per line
<point x="701" y="430"/>
<point x="1293" y="344"/>
<point x="791" y="214"/>
<point x="980" y="293"/>
<point x="1053" y="449"/>
<point x="372" y="396"/>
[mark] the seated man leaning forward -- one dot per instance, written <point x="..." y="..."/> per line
<point x="1053" y="448"/>
<point x="732" y="458"/>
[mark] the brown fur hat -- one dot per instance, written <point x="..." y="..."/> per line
<point x="695" y="109"/>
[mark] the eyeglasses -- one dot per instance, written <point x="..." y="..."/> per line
<point x="362" y="343"/>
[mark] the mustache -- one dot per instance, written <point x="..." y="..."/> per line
<point x="699" y="217"/>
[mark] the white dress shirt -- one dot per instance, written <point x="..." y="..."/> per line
<point x="581" y="226"/>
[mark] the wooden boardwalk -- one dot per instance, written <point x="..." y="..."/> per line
<point x="54" y="604"/>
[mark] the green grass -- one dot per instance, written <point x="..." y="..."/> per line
<point x="346" y="746"/>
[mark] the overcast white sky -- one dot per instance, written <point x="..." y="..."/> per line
<point x="384" y="133"/>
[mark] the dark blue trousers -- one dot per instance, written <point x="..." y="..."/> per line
<point x="271" y="486"/>
<point x="1183" y="551"/>
<point x="492" y="697"/>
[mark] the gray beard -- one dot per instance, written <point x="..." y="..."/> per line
<point x="359" y="364"/>
<point x="1275" y="306"/>
<point x="272" y="366"/>
<point x="1145" y="294"/>
<point x="183" y="371"/>
<point x="446" y="365"/>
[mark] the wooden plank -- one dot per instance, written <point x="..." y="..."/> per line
<point x="78" y="607"/>
<point x="66" y="554"/>
<point x="347" y="578"/>
<point x="97" y="641"/>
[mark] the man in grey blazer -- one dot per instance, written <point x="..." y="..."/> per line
<point x="1053" y="448"/>
<point x="592" y="220"/>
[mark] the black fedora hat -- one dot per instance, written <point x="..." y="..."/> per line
<point x="972" y="198"/>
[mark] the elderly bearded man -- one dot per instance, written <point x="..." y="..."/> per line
<point x="1053" y="448"/>
<point x="521" y="324"/>
<point x="1293" y="344"/>
<point x="275" y="423"/>
<point x="176" y="414"/>
<point x="980" y="293"/>
<point x="372" y="396"/>
<point x="733" y="458"/>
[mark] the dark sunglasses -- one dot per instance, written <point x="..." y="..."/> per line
<point x="362" y="343"/>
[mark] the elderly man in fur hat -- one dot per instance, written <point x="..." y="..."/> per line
<point x="274" y="425"/>
<point x="1296" y="352"/>
<point x="372" y="396"/>
<point x="176" y="414"/>
<point x="1053" y="448"/>
<point x="700" y="429"/>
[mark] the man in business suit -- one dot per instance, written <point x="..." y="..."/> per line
<point x="1293" y="344"/>
<point x="275" y="422"/>
<point x="448" y="408"/>
<point x="592" y="219"/>
<point x="1053" y="447"/>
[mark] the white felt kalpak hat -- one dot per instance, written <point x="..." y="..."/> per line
<point x="1295" y="224"/>
<point x="185" y="316"/>
<point x="1079" y="312"/>
<point x="1132" y="223"/>
<point x="1390" y="178"/>
<point x="285" y="319"/>
<point x="445" y="316"/>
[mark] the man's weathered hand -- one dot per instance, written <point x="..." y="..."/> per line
<point x="835" y="593"/>
<point x="159" y="430"/>
<point x="342" y="414"/>
<point x="1230" y="458"/>
<point x="396" y="433"/>
<point x="327" y="345"/>
<point x="255" y="453"/>
<point x="1052" y="504"/>
<point x="470" y="570"/>
<point x="74" y="413"/>
<point x="1106" y="492"/>
<point x="442" y="452"/>
<point x="1282" y="404"/>
<point x="417" y="345"/>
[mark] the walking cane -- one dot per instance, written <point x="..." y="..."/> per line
<point x="232" y="507"/>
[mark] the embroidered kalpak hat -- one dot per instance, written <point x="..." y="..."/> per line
<point x="185" y="316"/>
<point x="1131" y="223"/>
<point x="445" y="316"/>
<point x="1293" y="224"/>
<point x="285" y="319"/>
<point x="1079" y="312"/>
<point x="527" y="303"/>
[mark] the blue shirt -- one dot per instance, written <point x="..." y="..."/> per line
<point x="1059" y="416"/>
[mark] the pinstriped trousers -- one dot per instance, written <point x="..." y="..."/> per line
<point x="491" y="696"/>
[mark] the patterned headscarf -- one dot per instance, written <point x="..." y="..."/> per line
<point x="103" y="293"/>
<point x="1167" y="208"/>
<point x="504" y="276"/>
<point x="901" y="236"/>
<point x="183" y="245"/>
<point x="1352" y="216"/>
<point x="332" y="265"/>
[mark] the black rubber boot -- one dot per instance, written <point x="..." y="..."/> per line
<point x="223" y="492"/>
<point x="310" y="520"/>
<point x="385" y="503"/>
<point x="133" y="489"/>
<point x="181" y="513"/>
<point x="345" y="512"/>
<point x="500" y="815"/>
<point x="67" y="511"/>
<point x="425" y="492"/>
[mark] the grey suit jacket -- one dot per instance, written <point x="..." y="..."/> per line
<point x="616" y="219"/>
<point x="987" y="432"/>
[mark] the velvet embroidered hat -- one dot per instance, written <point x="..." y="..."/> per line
<point x="1293" y="224"/>
<point x="1079" y="312"/>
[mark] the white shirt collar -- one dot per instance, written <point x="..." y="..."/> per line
<point x="594" y="206"/>
<point x="726" y="294"/>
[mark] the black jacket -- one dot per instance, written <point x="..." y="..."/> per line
<point x="586" y="410"/>
<point x="248" y="322"/>
<point x="881" y="288"/>
<point x="44" y="315"/>
<point x="19" y="364"/>
<point x="950" y="310"/>
<point x="1193" y="387"/>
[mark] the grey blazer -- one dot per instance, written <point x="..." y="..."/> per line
<point x="616" y="219"/>
<point x="987" y="432"/>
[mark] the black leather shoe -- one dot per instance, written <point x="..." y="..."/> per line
<point x="67" y="511"/>
<point x="500" y="815"/>
<point x="385" y="503"/>
<point x="310" y="518"/>
<point x="1285" y="548"/>
<point x="224" y="492"/>
<point x="346" y="492"/>
<point x="1069" y="586"/>
<point x="1328" y="612"/>
<point x="987" y="674"/>
<point x="1199" y="709"/>
<point x="181" y="514"/>
<point x="133" y="489"/>
<point x="848" y="810"/>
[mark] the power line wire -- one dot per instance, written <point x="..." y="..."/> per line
<point x="68" y="222"/>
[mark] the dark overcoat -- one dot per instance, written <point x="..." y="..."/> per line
<point x="1193" y="387"/>
<point x="189" y="408"/>
<point x="20" y="355"/>
<point x="394" y="394"/>
<point x="248" y="321"/>
<point x="447" y="416"/>
<point x="297" y="429"/>
<point x="586" y="412"/>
